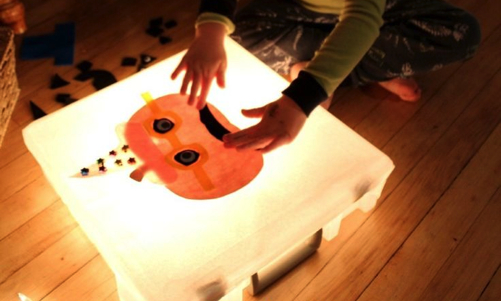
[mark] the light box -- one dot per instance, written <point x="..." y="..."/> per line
<point x="164" y="247"/>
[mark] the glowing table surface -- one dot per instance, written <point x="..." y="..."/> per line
<point x="164" y="247"/>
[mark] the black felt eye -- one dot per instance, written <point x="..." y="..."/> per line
<point x="187" y="157"/>
<point x="162" y="125"/>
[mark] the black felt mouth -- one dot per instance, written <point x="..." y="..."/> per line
<point x="215" y="128"/>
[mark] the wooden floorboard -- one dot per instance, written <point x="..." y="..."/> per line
<point x="18" y="174"/>
<point x="492" y="291"/>
<point x="411" y="141"/>
<point x="444" y="226"/>
<point x="472" y="265"/>
<point x="434" y="235"/>
<point x="24" y="205"/>
<point x="400" y="213"/>
<point x="30" y="240"/>
<point x="47" y="271"/>
<point x="93" y="282"/>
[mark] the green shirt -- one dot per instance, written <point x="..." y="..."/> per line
<point x="358" y="28"/>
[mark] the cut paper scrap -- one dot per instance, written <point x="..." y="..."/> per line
<point x="178" y="146"/>
<point x="60" y="45"/>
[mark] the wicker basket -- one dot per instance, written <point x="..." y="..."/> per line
<point x="9" y="89"/>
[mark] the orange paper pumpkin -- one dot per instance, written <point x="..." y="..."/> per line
<point x="179" y="146"/>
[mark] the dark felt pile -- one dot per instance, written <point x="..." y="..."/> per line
<point x="157" y="28"/>
<point x="50" y="45"/>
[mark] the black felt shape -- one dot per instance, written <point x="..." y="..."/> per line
<point x="57" y="82"/>
<point x="62" y="97"/>
<point x="83" y="76"/>
<point x="101" y="78"/>
<point x="165" y="40"/>
<point x="129" y="61"/>
<point x="65" y="98"/>
<point x="154" y="31"/>
<point x="156" y="22"/>
<point x="216" y="129"/>
<point x="36" y="111"/>
<point x="146" y="59"/>
<point x="170" y="24"/>
<point x="84" y="66"/>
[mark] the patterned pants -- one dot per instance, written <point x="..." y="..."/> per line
<point x="417" y="36"/>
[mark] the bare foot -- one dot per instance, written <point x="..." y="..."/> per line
<point x="405" y="88"/>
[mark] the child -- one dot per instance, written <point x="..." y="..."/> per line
<point x="324" y="44"/>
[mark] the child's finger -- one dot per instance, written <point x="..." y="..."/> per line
<point x="195" y="86"/>
<point x="254" y="113"/>
<point x="220" y="77"/>
<point x="179" y="68"/>
<point x="204" y="92"/>
<point x="186" y="81"/>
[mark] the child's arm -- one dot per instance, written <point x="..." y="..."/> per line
<point x="341" y="51"/>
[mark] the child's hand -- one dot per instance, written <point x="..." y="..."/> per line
<point x="280" y="124"/>
<point x="204" y="61"/>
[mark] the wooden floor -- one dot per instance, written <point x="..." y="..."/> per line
<point x="435" y="234"/>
